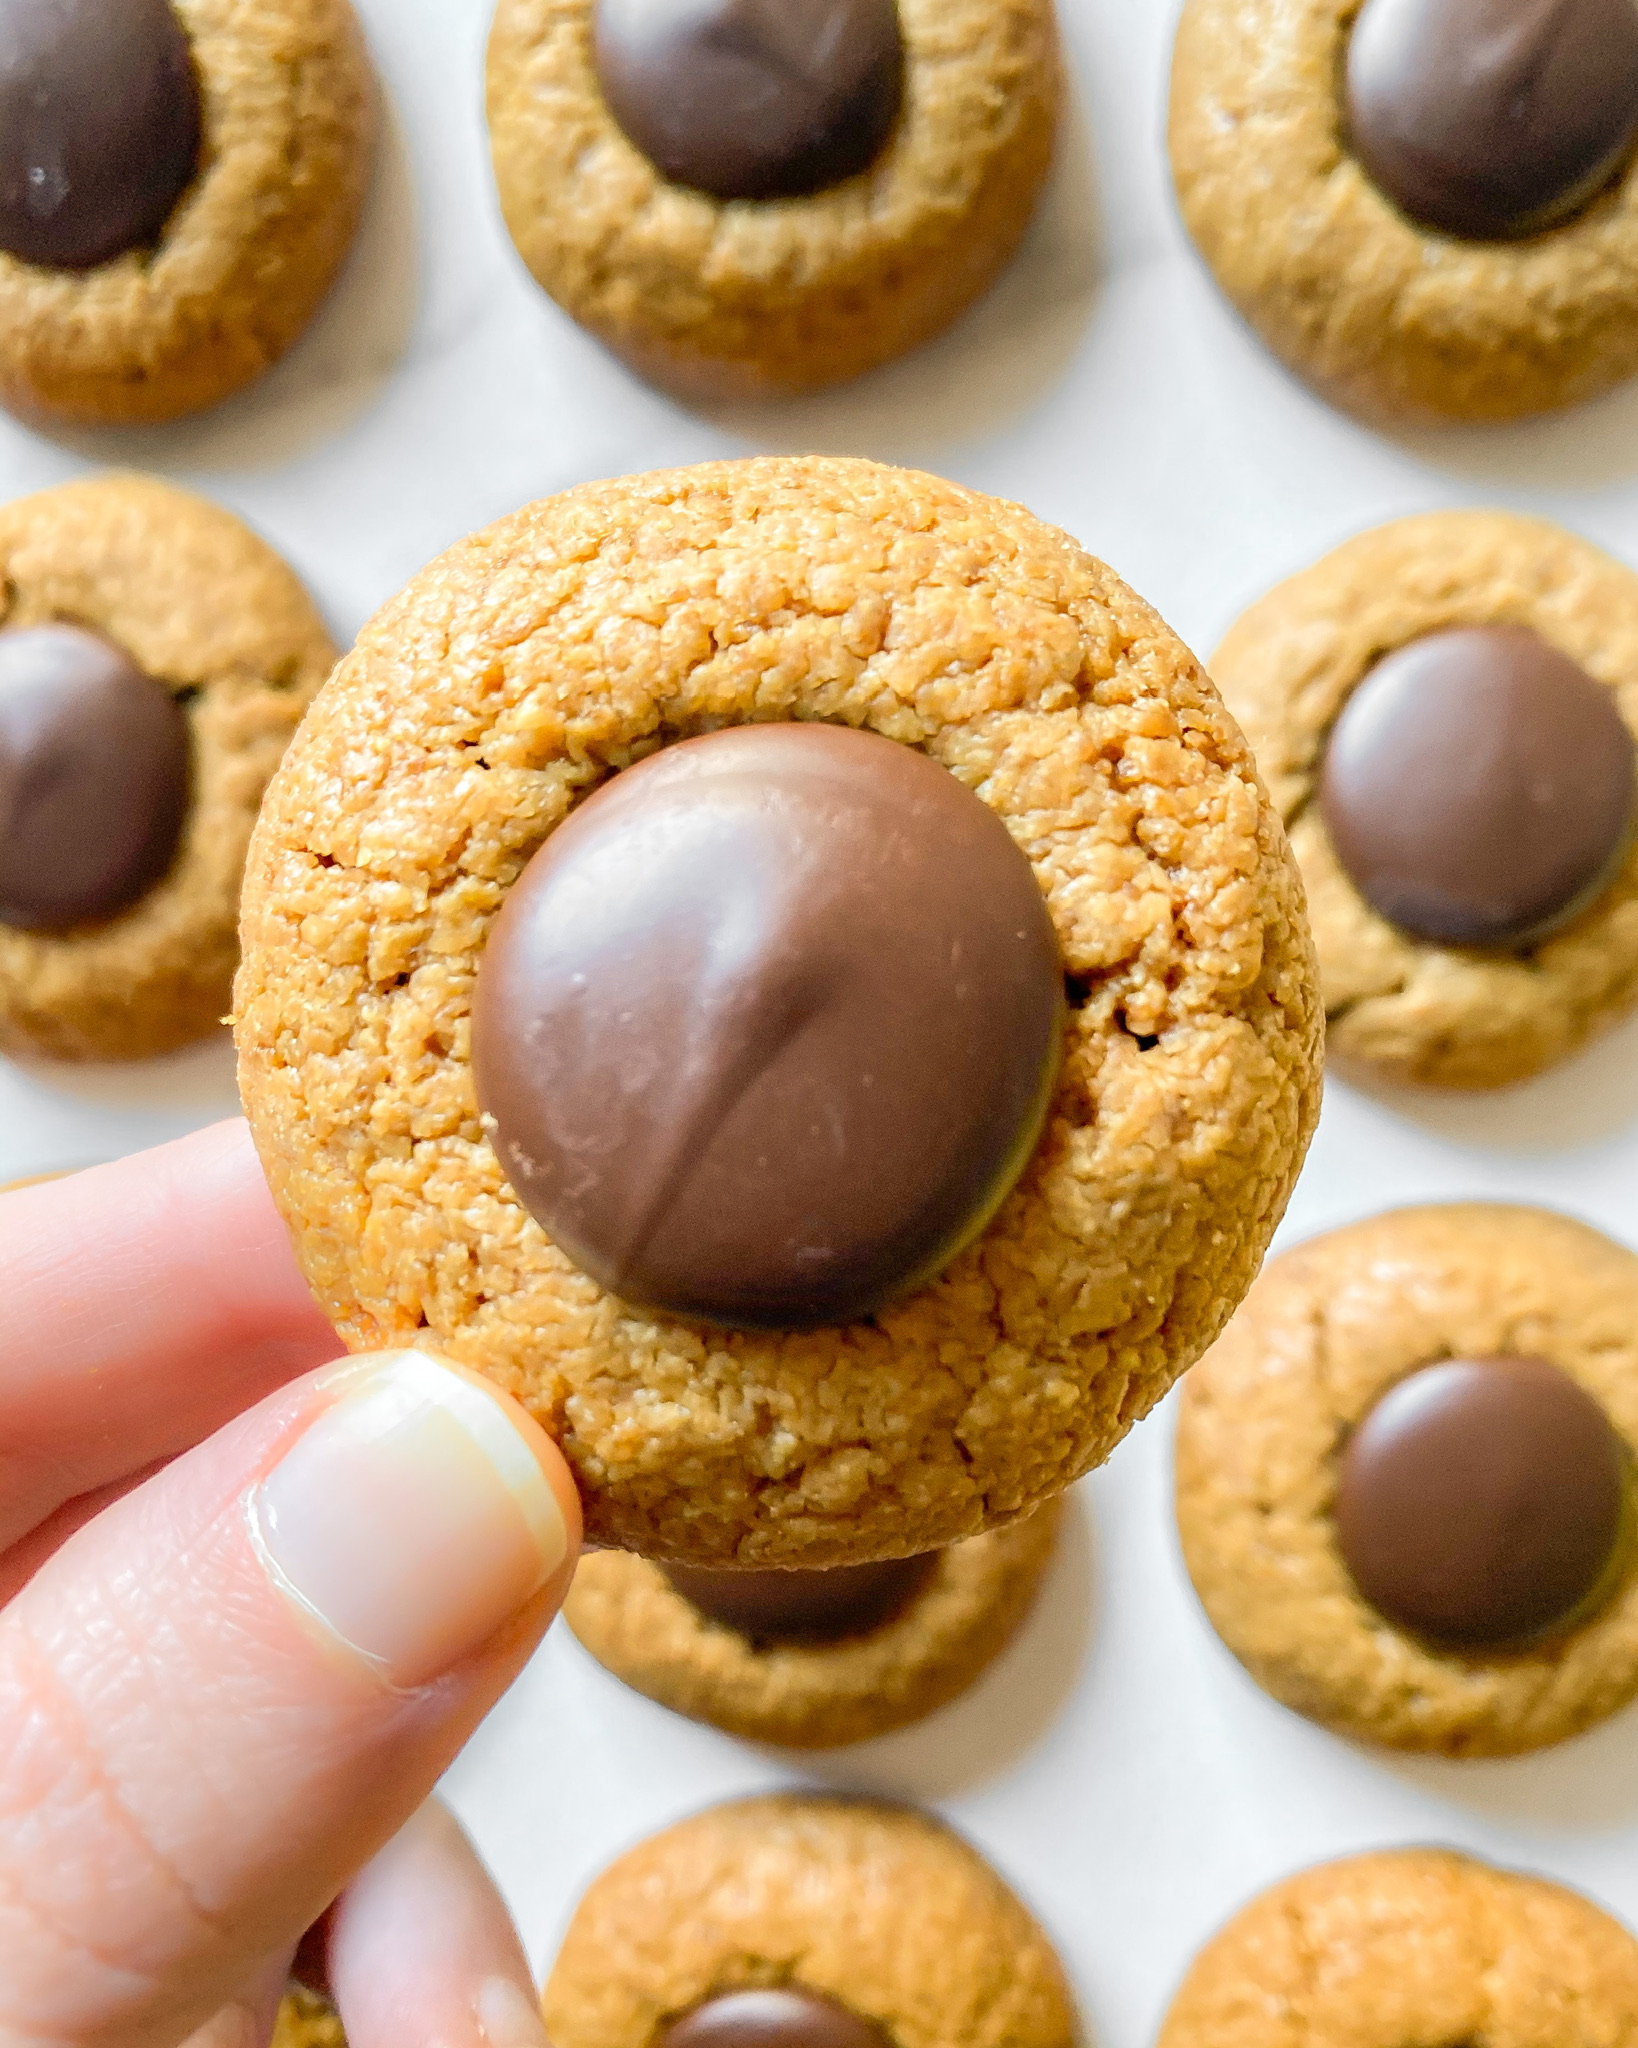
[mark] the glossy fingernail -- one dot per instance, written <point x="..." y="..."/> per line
<point x="509" y="2018"/>
<point x="412" y="1518"/>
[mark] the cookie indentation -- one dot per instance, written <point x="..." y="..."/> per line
<point x="753" y="99"/>
<point x="100" y="127"/>
<point x="768" y="1029"/>
<point x="94" y="778"/>
<point x="1491" y="119"/>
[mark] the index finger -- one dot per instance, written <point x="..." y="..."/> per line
<point x="146" y="1303"/>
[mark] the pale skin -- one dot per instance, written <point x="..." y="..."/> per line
<point x="194" y="1761"/>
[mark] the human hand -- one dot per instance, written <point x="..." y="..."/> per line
<point x="249" y="1611"/>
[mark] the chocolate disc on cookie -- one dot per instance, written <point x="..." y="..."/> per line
<point x="783" y="1607"/>
<point x="1485" y="1502"/>
<point x="94" y="778"/>
<point x="1479" y="786"/>
<point x="99" y="127"/>
<point x="768" y="1029"/>
<point x="1492" y="118"/>
<point x="753" y="99"/>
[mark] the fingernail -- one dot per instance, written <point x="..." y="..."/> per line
<point x="412" y="1518"/>
<point x="509" y="2018"/>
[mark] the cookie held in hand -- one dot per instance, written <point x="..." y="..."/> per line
<point x="848" y="764"/>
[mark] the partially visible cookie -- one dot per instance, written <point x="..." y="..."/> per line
<point x="155" y="657"/>
<point x="1427" y="208"/>
<point x="747" y="198"/>
<point x="1410" y="1945"/>
<point x="307" y="2021"/>
<point x="211" y="158"/>
<point x="1405" y="1479"/>
<point x="812" y="1659"/>
<point x="840" y="1923"/>
<point x="1443" y="710"/>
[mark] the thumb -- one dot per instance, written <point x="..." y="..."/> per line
<point x="223" y="1695"/>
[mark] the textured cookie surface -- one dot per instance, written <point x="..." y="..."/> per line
<point x="213" y="613"/>
<point x="1411" y="1945"/>
<point x="249" y="251"/>
<point x="539" y="657"/>
<point x="877" y="1906"/>
<point x="1412" y="1009"/>
<point x="813" y="1695"/>
<point x="745" y="298"/>
<point x="1327" y="1329"/>
<point x="1383" y="315"/>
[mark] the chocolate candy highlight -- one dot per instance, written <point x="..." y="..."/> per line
<point x="95" y="767"/>
<point x="1484" y="1503"/>
<point x="769" y="1026"/>
<point x="788" y="2018"/>
<point x="814" y="1607"/>
<point x="1479" y="787"/>
<point x="100" y="127"/>
<point x="753" y="99"/>
<point x="1491" y="119"/>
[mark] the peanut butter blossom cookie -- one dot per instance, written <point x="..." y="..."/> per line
<point x="792" y="1922"/>
<point x="1405" y="1479"/>
<point x="178" y="186"/>
<point x="747" y="197"/>
<point x="1410" y="1945"/>
<point x="788" y="966"/>
<point x="811" y="1659"/>
<point x="1444" y="710"/>
<point x="154" y="659"/>
<point x="1429" y="208"/>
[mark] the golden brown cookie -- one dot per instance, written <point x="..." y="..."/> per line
<point x="515" y="676"/>
<point x="307" y="2021"/>
<point x="210" y="613"/>
<point x="98" y="328"/>
<point x="1410" y="1945"/>
<point x="809" y="1680"/>
<point x="881" y="1909"/>
<point x="755" y="296"/>
<point x="1406" y="1006"/>
<point x="1350" y="1350"/>
<point x="1385" y="311"/>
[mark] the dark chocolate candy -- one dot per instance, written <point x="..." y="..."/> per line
<point x="1490" y="119"/>
<point x="824" y="1606"/>
<point x="769" y="1026"/>
<point x="1484" y="1502"/>
<point x="100" y="127"/>
<point x="1479" y="787"/>
<point x="753" y="99"/>
<point x="94" y="778"/>
<point x="772" y="2019"/>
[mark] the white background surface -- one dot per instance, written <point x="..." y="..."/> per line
<point x="1116" y="1765"/>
